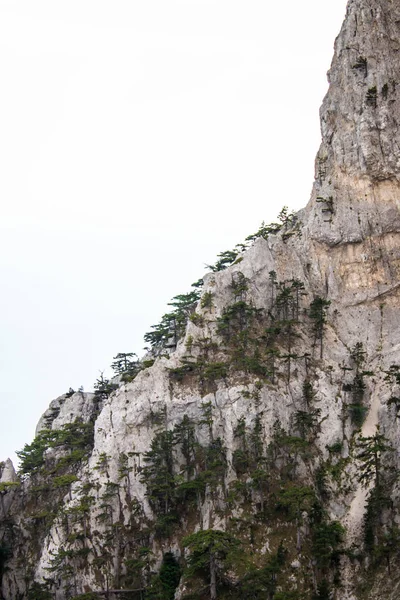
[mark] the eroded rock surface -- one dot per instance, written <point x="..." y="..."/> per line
<point x="263" y="398"/>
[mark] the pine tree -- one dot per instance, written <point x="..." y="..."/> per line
<point x="317" y="313"/>
<point x="126" y="363"/>
<point x="370" y="458"/>
<point x="211" y="551"/>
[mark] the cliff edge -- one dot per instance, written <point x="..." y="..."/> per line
<point x="258" y="456"/>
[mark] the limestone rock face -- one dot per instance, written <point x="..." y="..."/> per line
<point x="66" y="408"/>
<point x="292" y="353"/>
<point x="357" y="166"/>
<point x="359" y="116"/>
<point x="7" y="472"/>
<point x="8" y="485"/>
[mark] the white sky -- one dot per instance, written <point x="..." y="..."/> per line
<point x="138" y="140"/>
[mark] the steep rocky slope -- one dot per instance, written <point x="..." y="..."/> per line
<point x="259" y="457"/>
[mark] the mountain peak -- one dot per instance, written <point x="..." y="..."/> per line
<point x="257" y="455"/>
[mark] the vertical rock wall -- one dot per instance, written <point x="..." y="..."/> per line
<point x="99" y="520"/>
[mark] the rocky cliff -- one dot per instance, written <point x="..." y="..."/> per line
<point x="258" y="456"/>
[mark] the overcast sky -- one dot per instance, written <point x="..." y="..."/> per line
<point x="139" y="138"/>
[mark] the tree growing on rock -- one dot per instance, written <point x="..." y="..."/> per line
<point x="297" y="500"/>
<point x="103" y="387"/>
<point x="317" y="313"/>
<point x="372" y="473"/>
<point x="126" y="364"/>
<point x="211" y="554"/>
<point x="370" y="453"/>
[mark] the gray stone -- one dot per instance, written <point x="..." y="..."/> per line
<point x="346" y="248"/>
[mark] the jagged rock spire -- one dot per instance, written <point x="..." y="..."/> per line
<point x="358" y="163"/>
<point x="161" y="453"/>
<point x="7" y="472"/>
<point x="359" y="116"/>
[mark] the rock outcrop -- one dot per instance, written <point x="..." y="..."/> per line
<point x="274" y="420"/>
